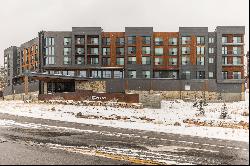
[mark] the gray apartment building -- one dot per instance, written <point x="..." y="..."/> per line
<point x="192" y="62"/>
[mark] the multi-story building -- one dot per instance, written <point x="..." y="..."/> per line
<point x="139" y="59"/>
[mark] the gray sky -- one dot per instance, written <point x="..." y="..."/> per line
<point x="21" y="20"/>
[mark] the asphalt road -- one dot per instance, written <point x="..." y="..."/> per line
<point x="39" y="141"/>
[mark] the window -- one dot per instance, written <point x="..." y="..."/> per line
<point x="106" y="61"/>
<point x="158" y="61"/>
<point x="79" y="60"/>
<point x="120" y="51"/>
<point x="200" y="61"/>
<point x="172" y="51"/>
<point x="49" y="41"/>
<point x="106" y="41"/>
<point x="131" y="60"/>
<point x="224" y="39"/>
<point x="120" y="41"/>
<point x="172" y="41"/>
<point x="211" y="50"/>
<point x="66" y="51"/>
<point x="49" y="51"/>
<point x="200" y="75"/>
<point x="185" y="60"/>
<point x="80" y="51"/>
<point x="83" y="73"/>
<point x="200" y="40"/>
<point x="236" y="75"/>
<point x="185" y="50"/>
<point x="146" y="60"/>
<point x="94" y="51"/>
<point x="211" y="74"/>
<point x="224" y="60"/>
<point x="146" y="74"/>
<point x="49" y="60"/>
<point x="71" y="73"/>
<point x="96" y="73"/>
<point x="185" y="40"/>
<point x="236" y="50"/>
<point x="146" y="50"/>
<point x="118" y="74"/>
<point x="158" y="41"/>
<point x="200" y="50"/>
<point x="186" y="75"/>
<point x="94" y="61"/>
<point x="106" y="74"/>
<point x="211" y="60"/>
<point x="146" y="40"/>
<point x="131" y="40"/>
<point x="224" y="75"/>
<point x="94" y="40"/>
<point x="131" y="73"/>
<point x="172" y="61"/>
<point x="105" y="51"/>
<point x="237" y="39"/>
<point x="66" y="60"/>
<point x="211" y="40"/>
<point x="236" y="60"/>
<point x="158" y="51"/>
<point x="67" y="41"/>
<point x="80" y="40"/>
<point x="131" y="50"/>
<point x="224" y="50"/>
<point x="120" y="61"/>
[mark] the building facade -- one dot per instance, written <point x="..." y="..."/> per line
<point x="137" y="60"/>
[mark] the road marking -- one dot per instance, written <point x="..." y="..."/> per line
<point x="237" y="148"/>
<point x="172" y="140"/>
<point x="245" y="149"/>
<point x="182" y="141"/>
<point x="221" y="146"/>
<point x="163" y="139"/>
<point x="229" y="147"/>
<point x="190" y="142"/>
<point x="196" y="143"/>
<point x="205" y="144"/>
<point x="213" y="145"/>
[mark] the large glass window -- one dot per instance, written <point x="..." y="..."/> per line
<point x="106" y="74"/>
<point x="146" y="40"/>
<point x="49" y="41"/>
<point x="200" y="75"/>
<point x="224" y="60"/>
<point x="106" y="41"/>
<point x="200" y="50"/>
<point x="131" y="60"/>
<point x="120" y="51"/>
<point x="158" y="51"/>
<point x="49" y="60"/>
<point x="146" y="74"/>
<point x="211" y="60"/>
<point x="67" y="41"/>
<point x="211" y="50"/>
<point x="236" y="60"/>
<point x="185" y="50"/>
<point x="236" y="50"/>
<point x="158" y="61"/>
<point x="120" y="61"/>
<point x="186" y="75"/>
<point x="94" y="40"/>
<point x="211" y="74"/>
<point x="200" y="60"/>
<point x="83" y="73"/>
<point x="131" y="73"/>
<point x="120" y="41"/>
<point x="200" y="40"/>
<point x="94" y="51"/>
<point x="172" y="51"/>
<point x="211" y="40"/>
<point x="158" y="41"/>
<point x="66" y="60"/>
<point x="237" y="39"/>
<point x="94" y="61"/>
<point x="79" y="60"/>
<point x="106" y="51"/>
<point x="172" y="41"/>
<point x="185" y="60"/>
<point x="96" y="73"/>
<point x="131" y="50"/>
<point x="172" y="61"/>
<point x="49" y="51"/>
<point x="80" y="40"/>
<point x="224" y="39"/>
<point x="146" y="60"/>
<point x="224" y="50"/>
<point x="80" y="51"/>
<point x="236" y="75"/>
<point x="66" y="51"/>
<point x="118" y="74"/>
<point x="146" y="50"/>
<point x="224" y="75"/>
<point x="185" y="40"/>
<point x="131" y="40"/>
<point x="106" y="61"/>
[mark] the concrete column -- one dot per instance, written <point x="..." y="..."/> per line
<point x="45" y="89"/>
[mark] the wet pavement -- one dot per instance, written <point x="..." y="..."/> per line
<point x="37" y="141"/>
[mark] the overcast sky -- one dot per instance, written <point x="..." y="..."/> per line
<point x="21" y="20"/>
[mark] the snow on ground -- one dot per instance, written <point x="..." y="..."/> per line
<point x="161" y="120"/>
